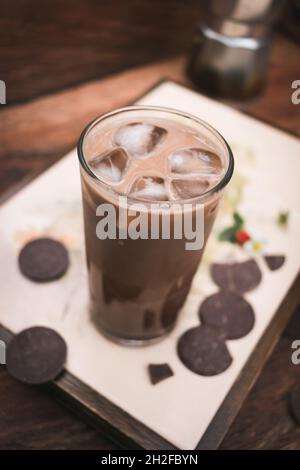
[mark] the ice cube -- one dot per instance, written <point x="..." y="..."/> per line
<point x="186" y="189"/>
<point x="195" y="161"/>
<point x="110" y="166"/>
<point x="149" y="188"/>
<point x="139" y="138"/>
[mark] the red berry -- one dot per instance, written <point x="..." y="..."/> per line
<point x="242" y="237"/>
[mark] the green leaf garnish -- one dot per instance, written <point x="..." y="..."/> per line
<point x="238" y="220"/>
<point x="229" y="233"/>
<point x="283" y="218"/>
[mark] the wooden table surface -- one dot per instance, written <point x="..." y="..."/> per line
<point x="37" y="133"/>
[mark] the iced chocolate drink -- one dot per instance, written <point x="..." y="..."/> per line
<point x="143" y="169"/>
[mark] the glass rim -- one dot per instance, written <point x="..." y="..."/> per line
<point x="215" y="189"/>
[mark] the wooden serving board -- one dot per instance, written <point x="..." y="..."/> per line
<point x="108" y="382"/>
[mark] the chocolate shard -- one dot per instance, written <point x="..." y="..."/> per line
<point x="159" y="372"/>
<point x="294" y="402"/>
<point x="274" y="262"/>
<point x="43" y="260"/>
<point x="36" y="355"/>
<point x="228" y="312"/>
<point x="203" y="351"/>
<point x="237" y="277"/>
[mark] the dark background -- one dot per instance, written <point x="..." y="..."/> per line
<point x="49" y="44"/>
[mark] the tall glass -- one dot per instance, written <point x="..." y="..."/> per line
<point x="138" y="285"/>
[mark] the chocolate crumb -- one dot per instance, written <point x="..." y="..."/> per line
<point x="159" y="372"/>
<point x="274" y="262"/>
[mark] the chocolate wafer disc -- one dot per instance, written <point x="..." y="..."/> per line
<point x="159" y="372"/>
<point x="36" y="355"/>
<point x="203" y="351"/>
<point x="274" y="262"/>
<point x="237" y="277"/>
<point x="43" y="260"/>
<point x="295" y="402"/>
<point x="228" y="312"/>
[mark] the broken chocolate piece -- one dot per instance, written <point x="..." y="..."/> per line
<point x="43" y="260"/>
<point x="228" y="312"/>
<point x="203" y="351"/>
<point x="237" y="277"/>
<point x="36" y="355"/>
<point x="159" y="372"/>
<point x="274" y="262"/>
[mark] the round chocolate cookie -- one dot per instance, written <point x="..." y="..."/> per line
<point x="295" y="402"/>
<point x="228" y="312"/>
<point x="36" y="355"/>
<point x="203" y="351"/>
<point x="237" y="277"/>
<point x="43" y="260"/>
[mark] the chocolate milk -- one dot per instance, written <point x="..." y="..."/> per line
<point x="150" y="156"/>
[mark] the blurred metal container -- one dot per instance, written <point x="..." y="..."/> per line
<point x="231" y="50"/>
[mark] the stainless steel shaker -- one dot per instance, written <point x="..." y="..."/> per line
<point x="232" y="46"/>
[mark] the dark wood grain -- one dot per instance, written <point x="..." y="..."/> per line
<point x="36" y="134"/>
<point x="47" y="45"/>
<point x="30" y="419"/>
<point x="264" y="422"/>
